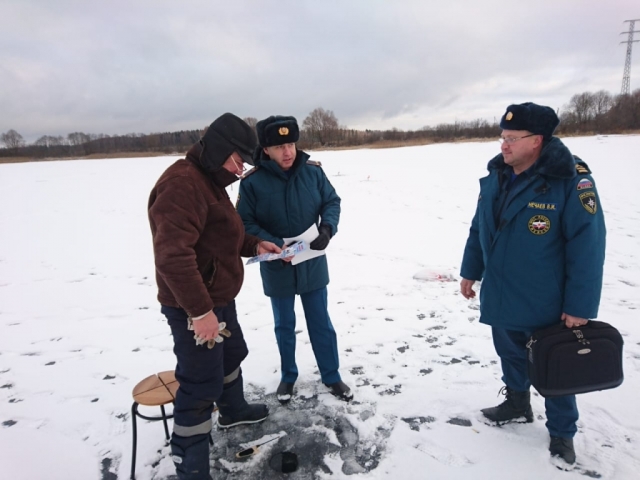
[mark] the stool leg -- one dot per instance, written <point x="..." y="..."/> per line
<point x="134" y="414"/>
<point x="164" y="420"/>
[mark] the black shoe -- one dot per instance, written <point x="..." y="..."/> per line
<point x="563" y="448"/>
<point x="253" y="413"/>
<point x="233" y="409"/>
<point x="341" y="390"/>
<point x="516" y="408"/>
<point x="284" y="392"/>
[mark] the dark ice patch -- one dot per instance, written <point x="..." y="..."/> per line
<point x="415" y="422"/>
<point x="392" y="391"/>
<point x="462" y="422"/>
<point x="106" y="470"/>
<point x="309" y="424"/>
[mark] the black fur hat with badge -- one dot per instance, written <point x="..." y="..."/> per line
<point x="537" y="119"/>
<point x="277" y="130"/>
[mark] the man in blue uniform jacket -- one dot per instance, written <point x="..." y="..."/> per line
<point x="537" y="242"/>
<point x="284" y="195"/>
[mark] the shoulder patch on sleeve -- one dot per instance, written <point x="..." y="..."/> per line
<point x="315" y="163"/>
<point x="253" y="170"/>
<point x="584" y="183"/>
<point x="588" y="201"/>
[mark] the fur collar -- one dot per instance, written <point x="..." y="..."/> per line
<point x="555" y="161"/>
<point x="264" y="161"/>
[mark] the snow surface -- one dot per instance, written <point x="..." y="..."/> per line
<point x="81" y="326"/>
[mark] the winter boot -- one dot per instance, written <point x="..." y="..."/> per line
<point x="563" y="448"/>
<point x="284" y="392"/>
<point x="341" y="390"/>
<point x="190" y="455"/>
<point x="234" y="410"/>
<point x="516" y="408"/>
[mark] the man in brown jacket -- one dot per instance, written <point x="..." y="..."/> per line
<point x="198" y="241"/>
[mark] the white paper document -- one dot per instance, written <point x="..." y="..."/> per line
<point x="308" y="236"/>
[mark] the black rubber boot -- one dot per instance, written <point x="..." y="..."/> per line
<point x="234" y="410"/>
<point x="341" y="390"/>
<point x="285" y="392"/>
<point x="516" y="408"/>
<point x="190" y="455"/>
<point x="563" y="448"/>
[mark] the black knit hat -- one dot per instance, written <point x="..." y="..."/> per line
<point x="277" y="130"/>
<point x="534" y="118"/>
<point x="227" y="134"/>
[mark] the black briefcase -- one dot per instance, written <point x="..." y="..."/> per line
<point x="568" y="361"/>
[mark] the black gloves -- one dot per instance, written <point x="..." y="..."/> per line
<point x="322" y="240"/>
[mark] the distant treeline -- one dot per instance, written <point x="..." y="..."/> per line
<point x="586" y="113"/>
<point x="80" y="144"/>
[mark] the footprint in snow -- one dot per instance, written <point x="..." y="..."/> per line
<point x="415" y="422"/>
<point x="437" y="327"/>
<point x="446" y="457"/>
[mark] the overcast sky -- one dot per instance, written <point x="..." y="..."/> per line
<point x="142" y="66"/>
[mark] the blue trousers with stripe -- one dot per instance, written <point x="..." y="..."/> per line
<point x="202" y="373"/>
<point x="511" y="346"/>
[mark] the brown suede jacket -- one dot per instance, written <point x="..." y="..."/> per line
<point x="198" y="238"/>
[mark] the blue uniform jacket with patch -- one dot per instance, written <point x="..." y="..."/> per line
<point x="542" y="252"/>
<point x="275" y="204"/>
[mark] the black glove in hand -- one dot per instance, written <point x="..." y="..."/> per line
<point x="322" y="240"/>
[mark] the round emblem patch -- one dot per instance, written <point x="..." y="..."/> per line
<point x="539" y="225"/>
<point x="509" y="116"/>
<point x="283" y="131"/>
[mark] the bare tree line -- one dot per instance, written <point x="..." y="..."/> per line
<point x="586" y="113"/>
<point x="79" y="144"/>
<point x="601" y="112"/>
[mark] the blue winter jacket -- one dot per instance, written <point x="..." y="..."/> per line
<point x="275" y="204"/>
<point x="544" y="254"/>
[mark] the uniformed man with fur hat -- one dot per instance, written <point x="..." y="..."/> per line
<point x="282" y="197"/>
<point x="198" y="239"/>
<point x="537" y="242"/>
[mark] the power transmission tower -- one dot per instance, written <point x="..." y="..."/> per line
<point x="626" y="77"/>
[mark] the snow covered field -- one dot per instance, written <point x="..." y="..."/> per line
<point x="80" y="326"/>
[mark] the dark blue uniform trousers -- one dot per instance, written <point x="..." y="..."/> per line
<point x="511" y="346"/>
<point x="202" y="372"/>
<point x="321" y="333"/>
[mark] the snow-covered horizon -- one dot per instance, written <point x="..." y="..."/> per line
<point x="81" y="326"/>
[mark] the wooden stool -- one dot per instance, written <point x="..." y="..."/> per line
<point x="154" y="391"/>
